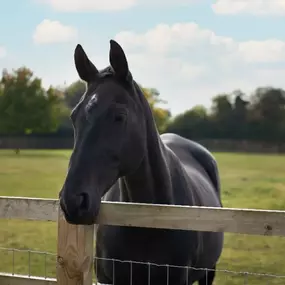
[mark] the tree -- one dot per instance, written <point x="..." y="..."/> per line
<point x="262" y="117"/>
<point x="73" y="93"/>
<point x="267" y="113"/>
<point x="161" y="115"/>
<point x="240" y="116"/>
<point x="25" y="107"/>
<point x="192" y="124"/>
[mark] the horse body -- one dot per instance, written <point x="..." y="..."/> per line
<point x="118" y="155"/>
<point x="193" y="175"/>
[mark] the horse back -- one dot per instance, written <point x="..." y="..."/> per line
<point x="194" y="159"/>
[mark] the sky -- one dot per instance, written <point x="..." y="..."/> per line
<point x="190" y="50"/>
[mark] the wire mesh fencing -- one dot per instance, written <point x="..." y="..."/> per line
<point x="28" y="262"/>
<point x="223" y="276"/>
<point x="43" y="264"/>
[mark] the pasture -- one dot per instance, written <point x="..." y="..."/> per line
<point x="248" y="181"/>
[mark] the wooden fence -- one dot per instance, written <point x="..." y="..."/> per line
<point x="75" y="243"/>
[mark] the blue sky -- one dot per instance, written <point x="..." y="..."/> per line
<point x="189" y="49"/>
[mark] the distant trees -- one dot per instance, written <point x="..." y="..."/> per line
<point x="73" y="93"/>
<point x="161" y="115"/>
<point x="28" y="108"/>
<point x="261" y="116"/>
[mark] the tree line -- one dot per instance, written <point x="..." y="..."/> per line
<point x="27" y="108"/>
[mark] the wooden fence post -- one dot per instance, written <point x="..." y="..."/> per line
<point x="75" y="248"/>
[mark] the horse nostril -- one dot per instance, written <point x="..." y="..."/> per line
<point x="84" y="201"/>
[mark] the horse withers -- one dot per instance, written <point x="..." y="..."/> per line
<point x="119" y="155"/>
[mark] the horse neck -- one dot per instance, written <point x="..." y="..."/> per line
<point x="151" y="182"/>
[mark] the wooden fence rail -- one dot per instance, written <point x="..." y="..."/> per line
<point x="75" y="243"/>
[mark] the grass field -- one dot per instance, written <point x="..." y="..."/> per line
<point x="248" y="181"/>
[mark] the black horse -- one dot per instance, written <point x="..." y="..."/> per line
<point x="119" y="155"/>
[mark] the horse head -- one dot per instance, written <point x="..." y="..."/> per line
<point x="109" y="134"/>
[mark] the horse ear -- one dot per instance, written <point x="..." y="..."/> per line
<point x="118" y="60"/>
<point x="85" y="68"/>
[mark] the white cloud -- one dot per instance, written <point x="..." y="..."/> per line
<point x="180" y="37"/>
<point x="272" y="50"/>
<point x="107" y="5"/>
<point x="190" y="64"/>
<point x="89" y="5"/>
<point x="49" y="31"/>
<point x="3" y="52"/>
<point x="255" y="7"/>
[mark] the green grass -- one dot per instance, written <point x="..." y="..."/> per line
<point x="248" y="181"/>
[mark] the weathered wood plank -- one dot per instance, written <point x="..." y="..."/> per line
<point x="9" y="279"/>
<point x="75" y="249"/>
<point x="28" y="208"/>
<point x="245" y="221"/>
